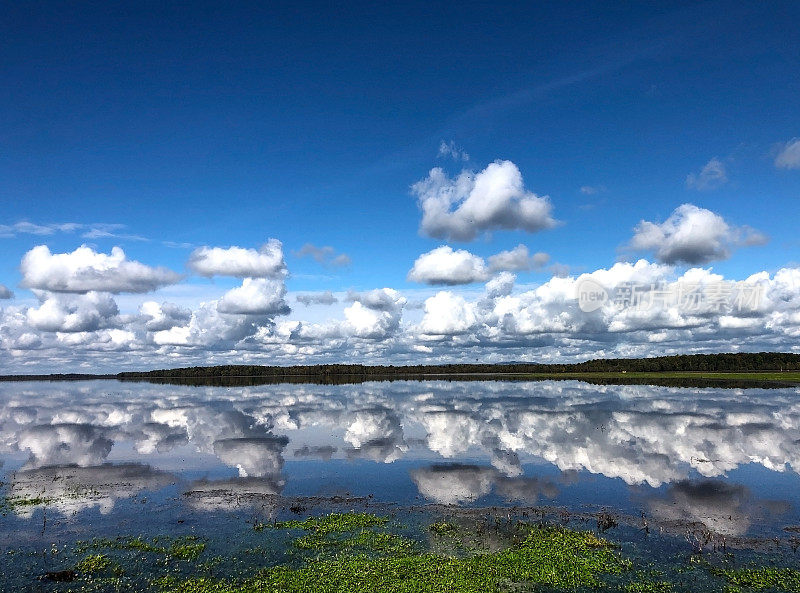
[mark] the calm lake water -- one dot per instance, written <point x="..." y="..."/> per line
<point x="86" y="459"/>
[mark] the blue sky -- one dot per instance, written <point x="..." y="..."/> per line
<point x="164" y="129"/>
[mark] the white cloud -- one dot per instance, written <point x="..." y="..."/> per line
<point x="789" y="156"/>
<point x="375" y="322"/>
<point x="317" y="298"/>
<point x="239" y="262"/>
<point x="380" y="299"/>
<point x="163" y="316"/>
<point x="712" y="176"/>
<point x="90" y="231"/>
<point x="85" y="332"/>
<point x="493" y="199"/>
<point x="110" y="231"/>
<point x="447" y="314"/>
<point x="692" y="235"/>
<point x="256" y="296"/>
<point x="443" y="265"/>
<point x="590" y="190"/>
<point x="29" y="228"/>
<point x="85" y="270"/>
<point x="325" y="255"/>
<point x="449" y="149"/>
<point x="518" y="260"/>
<point x="213" y="328"/>
<point x="447" y="266"/>
<point x="500" y="285"/>
<point x="74" y="312"/>
<point x="5" y="292"/>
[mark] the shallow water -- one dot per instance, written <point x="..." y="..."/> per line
<point x="103" y="458"/>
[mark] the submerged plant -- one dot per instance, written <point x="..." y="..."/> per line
<point x="93" y="563"/>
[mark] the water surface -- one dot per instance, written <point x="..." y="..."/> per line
<point x="89" y="456"/>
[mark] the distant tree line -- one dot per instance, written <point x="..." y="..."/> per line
<point x="743" y="362"/>
<point x="738" y="362"/>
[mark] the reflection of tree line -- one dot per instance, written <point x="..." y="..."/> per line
<point x="356" y="379"/>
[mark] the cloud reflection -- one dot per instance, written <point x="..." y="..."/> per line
<point x="476" y="437"/>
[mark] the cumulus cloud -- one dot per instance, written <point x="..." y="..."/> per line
<point x="444" y="265"/>
<point x="380" y="299"/>
<point x="712" y="176"/>
<point x="500" y="285"/>
<point x="692" y="235"/>
<point x="447" y="314"/>
<point x="325" y="255"/>
<point x="239" y="262"/>
<point x="449" y="149"/>
<point x="163" y="316"/>
<point x="493" y="199"/>
<point x="74" y="312"/>
<point x="789" y="156"/>
<point x="500" y="323"/>
<point x="5" y="292"/>
<point x="85" y="270"/>
<point x="518" y="260"/>
<point x="317" y="298"/>
<point x="211" y="328"/>
<point x="447" y="266"/>
<point x="256" y="296"/>
<point x="375" y="315"/>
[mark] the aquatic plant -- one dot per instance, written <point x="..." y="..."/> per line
<point x="93" y="563"/>
<point x="783" y="579"/>
<point x="553" y="556"/>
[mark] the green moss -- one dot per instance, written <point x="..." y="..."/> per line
<point x="784" y="579"/>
